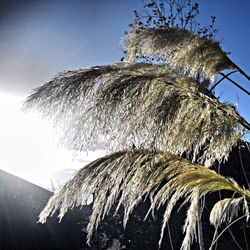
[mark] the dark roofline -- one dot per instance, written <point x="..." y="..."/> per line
<point x="20" y="180"/>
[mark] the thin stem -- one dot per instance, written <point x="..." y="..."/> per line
<point x="169" y="236"/>
<point x="217" y="226"/>
<point x="242" y="166"/>
<point x="235" y="83"/>
<point x="223" y="231"/>
<point x="240" y="119"/>
<point x="244" y="232"/>
<point x="234" y="239"/>
<point x="200" y="232"/>
<point x="216" y="84"/>
<point x="235" y="66"/>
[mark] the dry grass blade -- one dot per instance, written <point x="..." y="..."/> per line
<point x="183" y="50"/>
<point x="116" y="106"/>
<point x="125" y="178"/>
<point x="225" y="210"/>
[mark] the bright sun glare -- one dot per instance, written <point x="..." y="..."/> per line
<point x="29" y="149"/>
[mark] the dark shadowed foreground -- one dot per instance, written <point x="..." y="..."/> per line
<point x="140" y="234"/>
<point x="21" y="203"/>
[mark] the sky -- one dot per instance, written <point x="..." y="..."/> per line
<point x="40" y="38"/>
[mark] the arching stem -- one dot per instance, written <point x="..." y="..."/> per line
<point x="236" y="67"/>
<point x="216" y="84"/>
<point x="235" y="83"/>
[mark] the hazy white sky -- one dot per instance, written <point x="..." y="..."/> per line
<point x="41" y="38"/>
<point x="29" y="148"/>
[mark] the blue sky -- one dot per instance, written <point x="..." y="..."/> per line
<point x="39" y="38"/>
